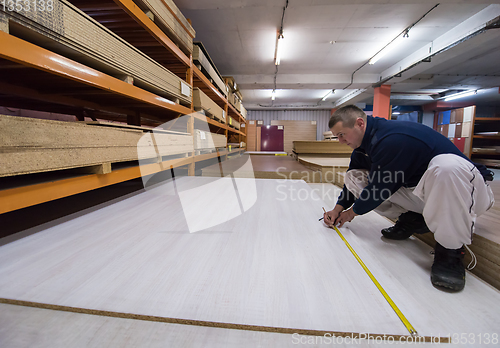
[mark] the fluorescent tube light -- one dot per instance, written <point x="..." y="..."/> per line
<point x="273" y="95"/>
<point x="327" y="95"/>
<point x="279" y="48"/>
<point x="386" y="49"/>
<point x="460" y="95"/>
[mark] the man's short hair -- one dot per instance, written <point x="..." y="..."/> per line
<point x="347" y="115"/>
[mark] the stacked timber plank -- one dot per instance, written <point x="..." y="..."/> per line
<point x="243" y="111"/>
<point x="233" y="123"/>
<point x="204" y="140"/>
<point x="74" y="34"/>
<point x="31" y="145"/>
<point x="296" y="130"/>
<point x="322" y="147"/>
<point x="170" y="19"/>
<point x="202" y="102"/>
<point x="206" y="65"/>
<point x="332" y="169"/>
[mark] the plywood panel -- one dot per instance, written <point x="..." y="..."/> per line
<point x="42" y="328"/>
<point x="137" y="256"/>
<point x="404" y="271"/>
<point x="296" y="130"/>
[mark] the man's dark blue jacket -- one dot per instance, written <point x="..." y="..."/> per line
<point x="397" y="154"/>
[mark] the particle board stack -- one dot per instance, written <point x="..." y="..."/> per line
<point x="296" y="130"/>
<point x="170" y="19"/>
<point x="72" y="33"/>
<point x="204" y="140"/>
<point x="202" y="102"/>
<point x="31" y="145"/>
<point x="243" y="111"/>
<point x="233" y="123"/>
<point x="206" y="65"/>
<point x="333" y="148"/>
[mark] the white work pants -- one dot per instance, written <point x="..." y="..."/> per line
<point x="450" y="195"/>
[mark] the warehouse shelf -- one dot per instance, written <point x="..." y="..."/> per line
<point x="491" y="137"/>
<point x="128" y="21"/>
<point x="56" y="187"/>
<point x="487" y="145"/>
<point x="29" y="195"/>
<point x="31" y="73"/>
<point x="39" y="78"/>
<point x="487" y="119"/>
<point x="210" y="121"/>
<point x="202" y="82"/>
<point x="232" y="111"/>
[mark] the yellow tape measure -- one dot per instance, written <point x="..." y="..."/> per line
<point x="405" y="321"/>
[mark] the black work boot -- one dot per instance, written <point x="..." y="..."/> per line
<point x="448" y="269"/>
<point x="408" y="223"/>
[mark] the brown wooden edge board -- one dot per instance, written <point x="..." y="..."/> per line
<point x="25" y="196"/>
<point x="220" y="325"/>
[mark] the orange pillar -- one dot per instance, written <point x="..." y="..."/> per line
<point x="382" y="102"/>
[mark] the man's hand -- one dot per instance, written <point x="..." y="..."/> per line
<point x="330" y="217"/>
<point x="345" y="216"/>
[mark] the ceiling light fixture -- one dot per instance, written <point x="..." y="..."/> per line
<point x="389" y="47"/>
<point x="460" y="95"/>
<point x="279" y="48"/>
<point x="328" y="94"/>
<point x="273" y="94"/>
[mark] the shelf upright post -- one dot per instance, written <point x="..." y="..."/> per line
<point x="189" y="80"/>
<point x="226" y="131"/>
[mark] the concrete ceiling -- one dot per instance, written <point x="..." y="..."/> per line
<point x="325" y="41"/>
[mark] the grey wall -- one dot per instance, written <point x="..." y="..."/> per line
<point x="320" y="116"/>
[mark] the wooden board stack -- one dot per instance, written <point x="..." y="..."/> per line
<point x="206" y="65"/>
<point x="170" y="19"/>
<point x="333" y="148"/>
<point x="33" y="145"/>
<point x="296" y="130"/>
<point x="233" y="123"/>
<point x="202" y="102"/>
<point x="208" y="141"/>
<point x="74" y="34"/>
<point x="332" y="169"/>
